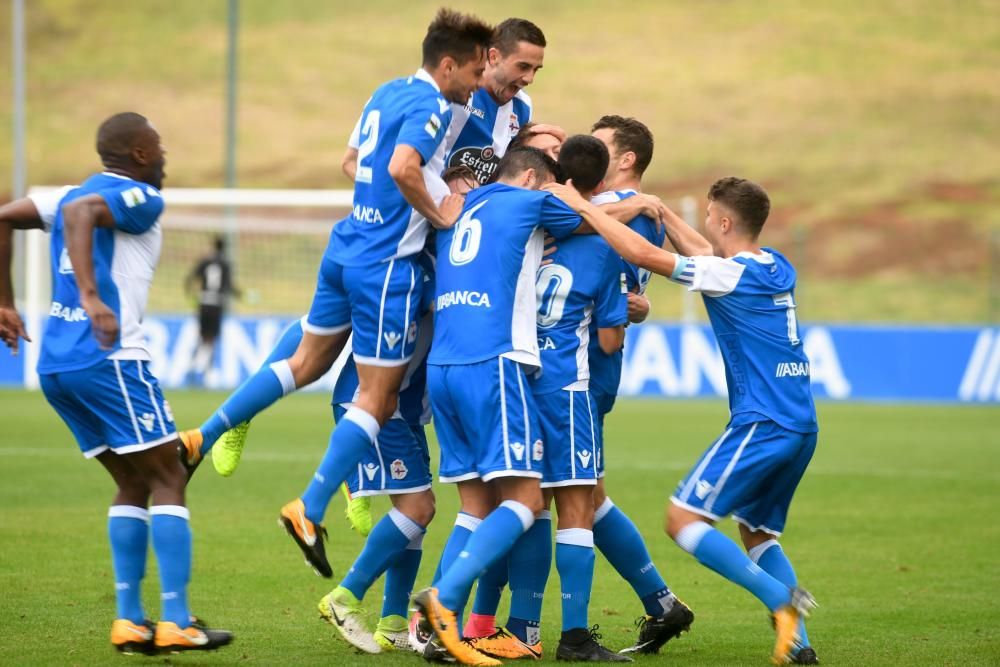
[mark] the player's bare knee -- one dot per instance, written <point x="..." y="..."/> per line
<point x="754" y="538"/>
<point x="419" y="507"/>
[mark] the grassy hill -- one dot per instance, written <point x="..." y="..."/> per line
<point x="873" y="124"/>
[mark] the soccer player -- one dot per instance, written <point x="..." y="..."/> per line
<point x="94" y="370"/>
<point x="214" y="276"/>
<point x="398" y="465"/>
<point x="549" y="142"/>
<point x="581" y="288"/>
<point x="484" y="338"/>
<point x="753" y="468"/>
<point x="630" y="144"/>
<point x="369" y="278"/>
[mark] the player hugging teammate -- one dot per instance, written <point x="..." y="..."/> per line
<point x="439" y="284"/>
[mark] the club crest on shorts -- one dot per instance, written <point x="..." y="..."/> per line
<point x="537" y="451"/>
<point x="398" y="469"/>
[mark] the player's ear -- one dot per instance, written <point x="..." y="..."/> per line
<point x="139" y="156"/>
<point x="627" y="160"/>
<point x="493" y="56"/>
<point x="530" y="178"/>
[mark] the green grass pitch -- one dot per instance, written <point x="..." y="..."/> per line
<point x="894" y="529"/>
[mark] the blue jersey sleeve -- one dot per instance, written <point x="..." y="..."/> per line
<point x="425" y="126"/>
<point x="136" y="208"/>
<point x="558" y="219"/>
<point x="611" y="307"/>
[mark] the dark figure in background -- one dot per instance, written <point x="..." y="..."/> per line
<point x="213" y="277"/>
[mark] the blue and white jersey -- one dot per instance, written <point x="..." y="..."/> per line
<point x="485" y="294"/>
<point x="479" y="134"/>
<point x="750" y="299"/>
<point x="383" y="225"/>
<point x="582" y="289"/>
<point x="606" y="369"/>
<point x="414" y="407"/>
<point x="125" y="258"/>
<point x="481" y="131"/>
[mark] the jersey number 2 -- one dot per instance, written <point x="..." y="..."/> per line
<point x="785" y="299"/>
<point x="367" y="147"/>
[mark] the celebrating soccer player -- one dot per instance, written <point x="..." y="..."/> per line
<point x="484" y="338"/>
<point x="630" y="145"/>
<point x="369" y="281"/>
<point x="94" y="370"/>
<point x="753" y="468"/>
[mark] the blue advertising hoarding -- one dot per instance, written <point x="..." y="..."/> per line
<point x="668" y="360"/>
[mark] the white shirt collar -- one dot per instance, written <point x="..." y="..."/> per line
<point x="424" y="75"/>
<point x="763" y="258"/>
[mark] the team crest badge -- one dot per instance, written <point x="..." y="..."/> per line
<point x="398" y="469"/>
<point x="537" y="451"/>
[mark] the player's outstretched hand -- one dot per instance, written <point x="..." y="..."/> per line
<point x="451" y="208"/>
<point x="103" y="321"/>
<point x="545" y="128"/>
<point x="568" y="194"/>
<point x="12" y="328"/>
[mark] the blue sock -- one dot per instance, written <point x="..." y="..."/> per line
<point x="465" y="525"/>
<point x="354" y="434"/>
<point x="530" y="561"/>
<point x="717" y="552"/>
<point x="772" y="559"/>
<point x="128" y="531"/>
<point x="172" y="544"/>
<point x="491" y="541"/>
<point x="286" y="345"/>
<point x="399" y="579"/>
<point x="575" y="564"/>
<point x="622" y="544"/>
<point x="384" y="545"/>
<point x="490" y="587"/>
<point x="258" y="392"/>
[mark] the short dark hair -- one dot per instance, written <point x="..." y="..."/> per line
<point x="459" y="172"/>
<point x="584" y="159"/>
<point x="517" y="160"/>
<point x="451" y="33"/>
<point x="630" y="135"/>
<point x="509" y="33"/>
<point x="747" y="200"/>
<point x="118" y="135"/>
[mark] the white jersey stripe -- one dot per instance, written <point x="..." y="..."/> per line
<point x="527" y="421"/>
<point x="572" y="436"/>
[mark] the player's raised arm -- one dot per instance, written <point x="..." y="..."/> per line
<point x="80" y="218"/>
<point x="631" y="246"/>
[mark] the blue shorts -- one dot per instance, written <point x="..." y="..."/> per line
<point x="750" y="472"/>
<point x="113" y="405"/>
<point x="399" y="462"/>
<point x="380" y="302"/>
<point x="569" y="426"/>
<point x="486" y="421"/>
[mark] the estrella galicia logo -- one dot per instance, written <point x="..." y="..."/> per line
<point x="483" y="161"/>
